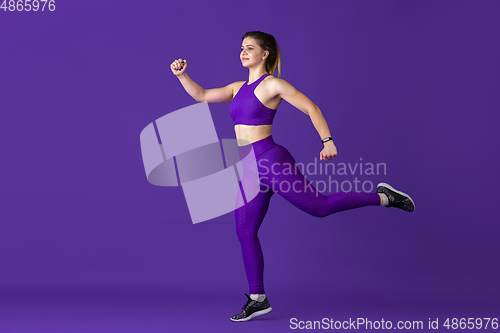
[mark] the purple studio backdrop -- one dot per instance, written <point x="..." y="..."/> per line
<point x="87" y="244"/>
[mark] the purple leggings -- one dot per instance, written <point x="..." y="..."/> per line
<point x="299" y="191"/>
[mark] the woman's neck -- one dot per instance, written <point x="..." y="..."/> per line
<point x="255" y="75"/>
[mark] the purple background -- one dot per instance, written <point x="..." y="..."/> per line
<point x="86" y="243"/>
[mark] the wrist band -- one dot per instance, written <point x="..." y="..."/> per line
<point x="326" y="139"/>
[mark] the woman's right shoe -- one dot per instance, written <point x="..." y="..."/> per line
<point x="396" y="198"/>
<point x="252" y="309"/>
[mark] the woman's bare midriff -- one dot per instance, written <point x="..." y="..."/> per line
<point x="247" y="134"/>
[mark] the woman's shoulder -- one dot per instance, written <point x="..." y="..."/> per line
<point x="236" y="84"/>
<point x="235" y="87"/>
<point x="275" y="80"/>
<point x="276" y="83"/>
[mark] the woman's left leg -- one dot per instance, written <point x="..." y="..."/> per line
<point x="278" y="170"/>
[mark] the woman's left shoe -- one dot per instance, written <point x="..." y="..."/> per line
<point x="396" y="198"/>
<point x="253" y="309"/>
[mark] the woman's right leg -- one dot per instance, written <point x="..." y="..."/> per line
<point x="248" y="220"/>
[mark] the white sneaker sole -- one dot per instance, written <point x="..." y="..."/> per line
<point x="255" y="314"/>
<point x="399" y="192"/>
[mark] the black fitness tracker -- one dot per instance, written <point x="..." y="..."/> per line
<point x="326" y="139"/>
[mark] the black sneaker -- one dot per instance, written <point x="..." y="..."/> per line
<point x="396" y="198"/>
<point x="253" y="309"/>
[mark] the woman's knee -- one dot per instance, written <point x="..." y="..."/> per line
<point x="246" y="237"/>
<point x="245" y="230"/>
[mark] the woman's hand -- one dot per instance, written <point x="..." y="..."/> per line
<point x="329" y="151"/>
<point x="178" y="67"/>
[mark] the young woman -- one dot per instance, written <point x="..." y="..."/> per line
<point x="253" y="107"/>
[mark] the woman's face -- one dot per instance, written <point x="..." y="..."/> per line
<point x="251" y="54"/>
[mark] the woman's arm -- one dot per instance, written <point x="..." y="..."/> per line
<point x="288" y="92"/>
<point x="217" y="95"/>
<point x="191" y="87"/>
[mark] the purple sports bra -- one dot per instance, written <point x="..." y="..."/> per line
<point x="246" y="109"/>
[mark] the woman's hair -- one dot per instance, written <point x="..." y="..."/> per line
<point x="267" y="43"/>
